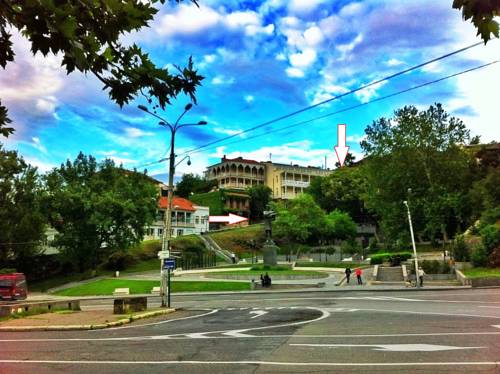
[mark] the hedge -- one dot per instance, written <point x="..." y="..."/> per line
<point x="379" y="258"/>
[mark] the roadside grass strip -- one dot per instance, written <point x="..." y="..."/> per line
<point x="104" y="287"/>
<point x="482" y="273"/>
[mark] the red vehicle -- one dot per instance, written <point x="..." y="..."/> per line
<point x="13" y="286"/>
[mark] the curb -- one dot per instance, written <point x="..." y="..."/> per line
<point x="99" y="326"/>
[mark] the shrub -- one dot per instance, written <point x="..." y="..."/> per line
<point x="446" y="268"/>
<point x="119" y="261"/>
<point x="379" y="258"/>
<point x="490" y="237"/>
<point x="431" y="266"/>
<point x="494" y="258"/>
<point x="460" y="249"/>
<point x="479" y="256"/>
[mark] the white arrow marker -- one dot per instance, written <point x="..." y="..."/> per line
<point x="258" y="313"/>
<point x="231" y="219"/>
<point x="341" y="149"/>
<point x="497" y="326"/>
<point x="393" y="347"/>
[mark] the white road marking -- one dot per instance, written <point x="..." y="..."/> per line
<point x="391" y="347"/>
<point x="487" y="306"/>
<point x="430" y="313"/>
<point x="497" y="326"/>
<point x="158" y="323"/>
<point x="271" y="363"/>
<point x="258" y="313"/>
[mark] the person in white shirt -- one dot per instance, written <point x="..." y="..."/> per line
<point x="421" y="276"/>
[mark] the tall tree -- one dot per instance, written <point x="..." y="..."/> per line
<point x="260" y="195"/>
<point x="193" y="184"/>
<point x="343" y="190"/>
<point x="421" y="150"/>
<point x="86" y="33"/>
<point x="22" y="222"/>
<point x="98" y="208"/>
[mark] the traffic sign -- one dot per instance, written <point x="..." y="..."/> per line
<point x="163" y="255"/>
<point x="169" y="264"/>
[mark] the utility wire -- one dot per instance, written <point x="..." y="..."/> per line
<point x="334" y="98"/>
<point x="358" y="105"/>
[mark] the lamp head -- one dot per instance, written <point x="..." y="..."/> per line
<point x="188" y="106"/>
<point x="189" y="162"/>
<point x="142" y="107"/>
<point x="202" y="123"/>
<point x="405" y="203"/>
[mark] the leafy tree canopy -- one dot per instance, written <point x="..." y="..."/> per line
<point x="22" y="222"/>
<point x="193" y="184"/>
<point x="482" y="14"/>
<point x="260" y="195"/>
<point x="421" y="150"/>
<point x="87" y="34"/>
<point x="98" y="208"/>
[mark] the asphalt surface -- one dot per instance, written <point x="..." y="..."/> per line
<point x="449" y="331"/>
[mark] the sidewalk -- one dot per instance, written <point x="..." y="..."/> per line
<point x="76" y="320"/>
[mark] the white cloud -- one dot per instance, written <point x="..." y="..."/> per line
<point x="368" y="93"/>
<point x="190" y="19"/>
<point x="303" y="59"/>
<point x="281" y="56"/>
<point x="294" y="72"/>
<point x="249" y="98"/>
<point x="394" y="62"/>
<point x="222" y="80"/>
<point x="301" y="152"/>
<point x="37" y="144"/>
<point x="46" y="105"/>
<point x="356" y="138"/>
<point x="351" y="10"/>
<point x="42" y="166"/>
<point x="303" y="6"/>
<point x="134" y="132"/>
<point x="326" y="91"/>
<point x="225" y="131"/>
<point x="344" y="49"/>
<point x="313" y="36"/>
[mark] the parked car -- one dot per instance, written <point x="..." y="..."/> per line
<point x="13" y="286"/>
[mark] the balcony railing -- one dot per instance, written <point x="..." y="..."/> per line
<point x="293" y="183"/>
<point x="237" y="175"/>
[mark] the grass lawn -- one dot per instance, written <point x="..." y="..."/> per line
<point x="271" y="272"/>
<point x="141" y="266"/>
<point x="330" y="264"/>
<point x="482" y="272"/>
<point x="104" y="287"/>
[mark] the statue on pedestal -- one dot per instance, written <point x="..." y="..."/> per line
<point x="270" y="248"/>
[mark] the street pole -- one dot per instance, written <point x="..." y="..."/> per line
<point x="413" y="242"/>
<point x="167" y="232"/>
<point x="167" y="219"/>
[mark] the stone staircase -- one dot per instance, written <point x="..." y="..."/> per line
<point x="211" y="245"/>
<point x="387" y="274"/>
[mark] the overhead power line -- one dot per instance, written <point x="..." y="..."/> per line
<point x="357" y="105"/>
<point x="334" y="98"/>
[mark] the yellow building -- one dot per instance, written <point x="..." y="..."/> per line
<point x="289" y="181"/>
<point x="285" y="181"/>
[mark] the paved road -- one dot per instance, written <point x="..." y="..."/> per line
<point x="425" y="332"/>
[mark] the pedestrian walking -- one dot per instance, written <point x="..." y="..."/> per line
<point x="348" y="272"/>
<point x="233" y="258"/>
<point x="359" y="273"/>
<point x="267" y="280"/>
<point x="421" y="274"/>
<point x="262" y="281"/>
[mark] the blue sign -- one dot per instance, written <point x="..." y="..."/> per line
<point x="169" y="264"/>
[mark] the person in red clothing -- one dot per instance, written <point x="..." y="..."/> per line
<point x="358" y="273"/>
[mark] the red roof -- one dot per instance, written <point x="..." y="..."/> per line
<point x="240" y="159"/>
<point x="179" y="203"/>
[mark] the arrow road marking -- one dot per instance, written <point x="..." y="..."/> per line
<point x="392" y="347"/>
<point x="258" y="313"/>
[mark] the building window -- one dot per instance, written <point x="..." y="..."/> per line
<point x="179" y="232"/>
<point x="196" y="219"/>
<point x="160" y="232"/>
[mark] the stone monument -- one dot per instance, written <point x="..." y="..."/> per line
<point x="270" y="248"/>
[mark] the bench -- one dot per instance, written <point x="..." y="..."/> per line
<point x="121" y="291"/>
<point x="156" y="291"/>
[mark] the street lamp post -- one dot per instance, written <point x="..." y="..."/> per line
<point x="412" y="241"/>
<point x="167" y="219"/>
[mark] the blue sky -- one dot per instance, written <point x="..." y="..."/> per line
<point x="260" y="60"/>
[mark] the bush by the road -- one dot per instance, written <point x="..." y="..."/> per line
<point x="380" y="258"/>
<point x="435" y="267"/>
